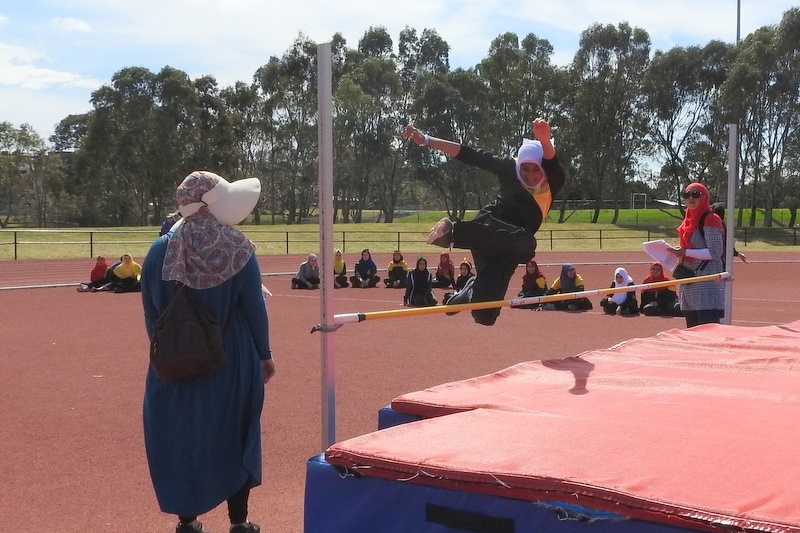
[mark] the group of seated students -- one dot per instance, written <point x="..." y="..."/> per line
<point x="121" y="276"/>
<point x="660" y="301"/>
<point x="419" y="284"/>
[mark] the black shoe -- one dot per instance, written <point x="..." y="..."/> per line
<point x="188" y="528"/>
<point x="464" y="296"/>
<point x="249" y="528"/>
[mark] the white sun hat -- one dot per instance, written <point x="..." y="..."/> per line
<point x="230" y="203"/>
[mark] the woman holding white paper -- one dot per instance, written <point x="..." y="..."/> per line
<point x="701" y="247"/>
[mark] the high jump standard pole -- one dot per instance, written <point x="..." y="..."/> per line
<point x="325" y="162"/>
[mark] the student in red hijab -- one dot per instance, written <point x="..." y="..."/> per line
<point x="445" y="272"/>
<point x="97" y="278"/>
<point x="659" y="302"/>
<point x="534" y="284"/>
<point x="701" y="250"/>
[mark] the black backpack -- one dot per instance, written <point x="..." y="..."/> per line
<point x="187" y="340"/>
<point x="702" y="225"/>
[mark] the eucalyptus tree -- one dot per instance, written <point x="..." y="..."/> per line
<point x="288" y="86"/>
<point x="681" y="89"/>
<point x="452" y="107"/>
<point x="519" y="78"/>
<point x="607" y="123"/>
<point x="141" y="138"/>
<point x="365" y="116"/>
<point x="29" y="175"/>
<point x="764" y="91"/>
<point x="250" y="132"/>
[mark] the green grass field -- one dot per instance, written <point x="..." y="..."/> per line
<point x="408" y="233"/>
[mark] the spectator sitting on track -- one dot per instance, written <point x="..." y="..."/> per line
<point x="365" y="272"/>
<point x="123" y="276"/>
<point x="97" y="278"/>
<point x="397" y="271"/>
<point x="534" y="284"/>
<point x="339" y="270"/>
<point x="623" y="302"/>
<point x="419" y="286"/>
<point x="464" y="274"/>
<point x="307" y="275"/>
<point x="569" y="281"/>
<point x="445" y="272"/>
<point x="659" y="302"/>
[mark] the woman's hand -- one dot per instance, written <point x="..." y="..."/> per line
<point x="541" y="130"/>
<point x="411" y="132"/>
<point x="269" y="369"/>
<point x="679" y="251"/>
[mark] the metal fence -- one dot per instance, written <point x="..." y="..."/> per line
<point x="82" y="243"/>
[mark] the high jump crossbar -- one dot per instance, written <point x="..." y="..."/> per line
<point x="353" y="318"/>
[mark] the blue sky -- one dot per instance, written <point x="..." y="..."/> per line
<point x="54" y="53"/>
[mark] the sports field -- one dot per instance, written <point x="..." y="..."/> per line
<point x="72" y="372"/>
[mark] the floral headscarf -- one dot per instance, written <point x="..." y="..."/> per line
<point x="203" y="253"/>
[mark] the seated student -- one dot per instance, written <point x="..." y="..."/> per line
<point x="397" y="272"/>
<point x="339" y="270"/>
<point x="419" y="286"/>
<point x="307" y="275"/>
<point x="445" y="272"/>
<point x="625" y="302"/>
<point x="124" y="276"/>
<point x="167" y="224"/>
<point x="97" y="278"/>
<point x="464" y="274"/>
<point x="533" y="284"/>
<point x="365" y="272"/>
<point x="659" y="302"/>
<point x="568" y="281"/>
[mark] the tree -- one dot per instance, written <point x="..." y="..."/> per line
<point x="764" y="89"/>
<point x="607" y="123"/>
<point x="289" y="91"/>
<point x="681" y="88"/>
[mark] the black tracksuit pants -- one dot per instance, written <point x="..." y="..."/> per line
<point x="497" y="248"/>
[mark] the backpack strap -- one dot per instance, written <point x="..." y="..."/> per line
<point x="701" y="225"/>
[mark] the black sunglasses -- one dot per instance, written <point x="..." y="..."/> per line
<point x="691" y="194"/>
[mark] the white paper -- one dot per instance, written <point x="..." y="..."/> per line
<point x="659" y="251"/>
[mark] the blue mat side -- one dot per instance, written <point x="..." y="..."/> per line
<point x="387" y="417"/>
<point x="337" y="502"/>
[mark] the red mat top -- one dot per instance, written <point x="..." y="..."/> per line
<point x="696" y="428"/>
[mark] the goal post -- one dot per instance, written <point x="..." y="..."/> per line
<point x="638" y="200"/>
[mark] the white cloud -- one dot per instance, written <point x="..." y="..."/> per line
<point x="71" y="24"/>
<point x="18" y="69"/>
<point x="230" y="39"/>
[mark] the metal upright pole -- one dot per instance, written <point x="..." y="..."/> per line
<point x="733" y="177"/>
<point x="325" y="140"/>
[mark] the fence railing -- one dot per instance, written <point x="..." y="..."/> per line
<point x="82" y="243"/>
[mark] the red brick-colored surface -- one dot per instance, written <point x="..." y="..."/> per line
<point x="72" y="371"/>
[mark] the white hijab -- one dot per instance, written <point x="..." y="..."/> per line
<point x="530" y="152"/>
<point x="619" y="297"/>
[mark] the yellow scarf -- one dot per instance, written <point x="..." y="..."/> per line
<point x="338" y="265"/>
<point x="128" y="270"/>
<point x="543" y="197"/>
